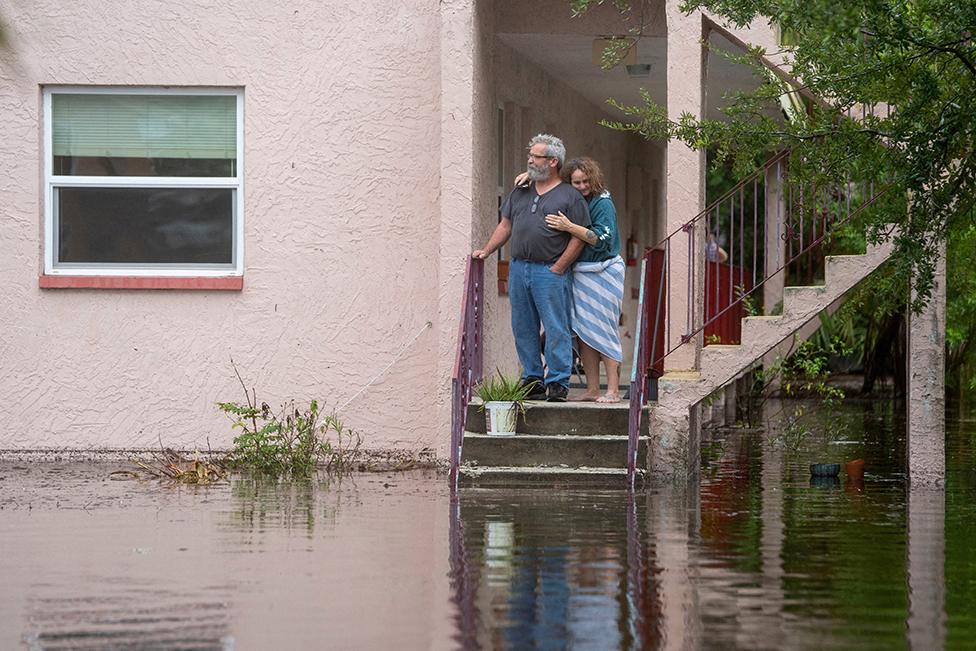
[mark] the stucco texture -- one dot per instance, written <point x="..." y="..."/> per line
<point x="926" y="387"/>
<point x="342" y="223"/>
<point x="369" y="176"/>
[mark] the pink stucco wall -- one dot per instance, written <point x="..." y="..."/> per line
<point x="369" y="176"/>
<point x="342" y="219"/>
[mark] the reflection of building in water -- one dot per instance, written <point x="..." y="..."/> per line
<point x="925" y="627"/>
<point x="131" y="616"/>
<point x="748" y="557"/>
<point x="550" y="569"/>
<point x="594" y="598"/>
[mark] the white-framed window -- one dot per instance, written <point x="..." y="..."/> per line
<point x="143" y="181"/>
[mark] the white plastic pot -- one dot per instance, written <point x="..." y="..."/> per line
<point x="500" y="418"/>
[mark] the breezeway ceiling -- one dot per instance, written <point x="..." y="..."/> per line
<point x="568" y="58"/>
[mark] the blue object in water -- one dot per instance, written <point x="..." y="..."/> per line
<point x="824" y="469"/>
<point x="818" y="481"/>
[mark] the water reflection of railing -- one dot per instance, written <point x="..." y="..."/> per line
<point x="644" y="631"/>
<point x="464" y="582"/>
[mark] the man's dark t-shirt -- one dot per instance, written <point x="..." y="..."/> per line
<point x="531" y="239"/>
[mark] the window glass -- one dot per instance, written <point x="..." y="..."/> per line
<point x="144" y="135"/>
<point x="145" y="225"/>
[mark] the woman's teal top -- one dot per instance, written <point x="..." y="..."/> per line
<point x="603" y="222"/>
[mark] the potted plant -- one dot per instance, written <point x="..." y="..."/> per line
<point x="502" y="400"/>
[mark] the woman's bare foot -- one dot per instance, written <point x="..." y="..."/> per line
<point x="609" y="397"/>
<point x="587" y="397"/>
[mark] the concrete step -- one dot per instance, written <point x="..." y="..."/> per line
<point x="843" y="265"/>
<point x="546" y="476"/>
<point x="550" y="450"/>
<point x="801" y="298"/>
<point x="563" y="419"/>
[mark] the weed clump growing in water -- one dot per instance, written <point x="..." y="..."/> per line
<point x="290" y="441"/>
<point x="171" y="465"/>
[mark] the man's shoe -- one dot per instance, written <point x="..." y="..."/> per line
<point x="537" y="390"/>
<point x="557" y="393"/>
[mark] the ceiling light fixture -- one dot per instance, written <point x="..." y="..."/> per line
<point x="639" y="69"/>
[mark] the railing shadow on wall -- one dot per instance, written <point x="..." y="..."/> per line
<point x="469" y="360"/>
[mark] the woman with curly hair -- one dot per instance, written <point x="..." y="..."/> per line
<point x="598" y="279"/>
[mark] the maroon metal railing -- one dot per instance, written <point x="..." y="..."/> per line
<point x="768" y="225"/>
<point x="469" y="361"/>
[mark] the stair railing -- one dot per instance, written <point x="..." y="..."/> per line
<point x="767" y="225"/>
<point x="469" y="360"/>
<point x="640" y="369"/>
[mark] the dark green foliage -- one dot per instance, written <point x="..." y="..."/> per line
<point x="804" y="374"/>
<point x="918" y="58"/>
<point x="961" y="309"/>
<point x="872" y="325"/>
<point x="807" y="370"/>
<point x="292" y="441"/>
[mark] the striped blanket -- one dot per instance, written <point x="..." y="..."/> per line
<point x="598" y="294"/>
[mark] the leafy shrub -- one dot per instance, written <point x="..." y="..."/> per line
<point x="290" y="441"/>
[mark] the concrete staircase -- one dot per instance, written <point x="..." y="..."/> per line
<point x="673" y="426"/>
<point x="585" y="444"/>
<point x="571" y="444"/>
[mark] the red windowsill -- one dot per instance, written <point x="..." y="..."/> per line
<point x="226" y="283"/>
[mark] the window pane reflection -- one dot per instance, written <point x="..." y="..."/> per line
<point x="145" y="225"/>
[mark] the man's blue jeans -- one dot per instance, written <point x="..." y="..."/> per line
<point x="539" y="295"/>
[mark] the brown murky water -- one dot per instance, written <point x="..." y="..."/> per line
<point x="92" y="563"/>
<point x="754" y="556"/>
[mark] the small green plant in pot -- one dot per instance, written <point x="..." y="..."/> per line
<point x="502" y="400"/>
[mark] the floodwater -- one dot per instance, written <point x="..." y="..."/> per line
<point x="754" y="555"/>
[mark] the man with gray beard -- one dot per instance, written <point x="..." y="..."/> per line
<point x="539" y="285"/>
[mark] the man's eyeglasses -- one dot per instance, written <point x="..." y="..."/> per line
<point x="538" y="156"/>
